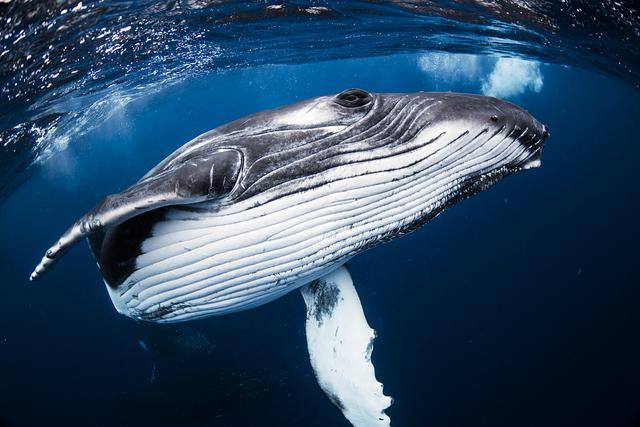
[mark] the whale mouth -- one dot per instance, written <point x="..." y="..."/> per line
<point x="535" y="145"/>
<point x="533" y="161"/>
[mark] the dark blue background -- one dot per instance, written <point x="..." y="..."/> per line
<point x="516" y="307"/>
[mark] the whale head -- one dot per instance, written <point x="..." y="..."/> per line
<point x="472" y="140"/>
<point x="363" y="121"/>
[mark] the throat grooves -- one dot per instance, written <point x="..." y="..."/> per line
<point x="258" y="249"/>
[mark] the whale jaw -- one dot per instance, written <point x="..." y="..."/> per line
<point x="534" y="161"/>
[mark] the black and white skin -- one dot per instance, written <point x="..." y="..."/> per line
<point x="282" y="199"/>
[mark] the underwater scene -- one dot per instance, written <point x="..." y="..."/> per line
<point x="319" y="213"/>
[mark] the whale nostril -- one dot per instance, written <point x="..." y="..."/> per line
<point x="545" y="131"/>
<point x="494" y="118"/>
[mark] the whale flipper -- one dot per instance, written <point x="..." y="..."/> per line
<point x="340" y="343"/>
<point x="198" y="179"/>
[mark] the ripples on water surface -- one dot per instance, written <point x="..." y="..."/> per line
<point x="67" y="65"/>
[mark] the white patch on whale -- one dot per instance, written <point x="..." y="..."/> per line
<point x="340" y="342"/>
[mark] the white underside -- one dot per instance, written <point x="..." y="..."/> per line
<point x="340" y="343"/>
<point x="251" y="252"/>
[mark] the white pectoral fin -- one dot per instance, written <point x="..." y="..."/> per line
<point x="340" y="343"/>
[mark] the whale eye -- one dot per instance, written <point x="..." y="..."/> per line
<point x="353" y="98"/>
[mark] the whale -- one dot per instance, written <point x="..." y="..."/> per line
<point x="282" y="199"/>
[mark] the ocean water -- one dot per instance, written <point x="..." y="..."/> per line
<point x="518" y="306"/>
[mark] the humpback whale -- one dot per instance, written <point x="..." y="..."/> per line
<point x="282" y="199"/>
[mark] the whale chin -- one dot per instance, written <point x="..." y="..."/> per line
<point x="533" y="162"/>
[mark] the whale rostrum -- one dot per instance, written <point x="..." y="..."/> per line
<point x="282" y="199"/>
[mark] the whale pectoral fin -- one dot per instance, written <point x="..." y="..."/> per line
<point x="340" y="343"/>
<point x="195" y="180"/>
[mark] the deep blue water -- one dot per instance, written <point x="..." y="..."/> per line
<point x="517" y="307"/>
